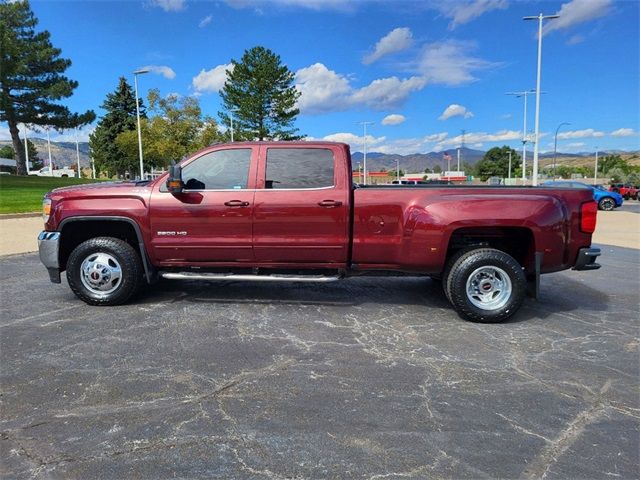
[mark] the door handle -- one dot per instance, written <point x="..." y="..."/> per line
<point x="236" y="203"/>
<point x="330" y="203"/>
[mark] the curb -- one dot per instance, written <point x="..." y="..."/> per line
<point x="9" y="216"/>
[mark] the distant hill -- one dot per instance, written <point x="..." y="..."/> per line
<point x="63" y="154"/>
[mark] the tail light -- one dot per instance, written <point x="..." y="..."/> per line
<point x="588" y="213"/>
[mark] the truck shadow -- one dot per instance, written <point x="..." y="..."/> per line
<point x="559" y="294"/>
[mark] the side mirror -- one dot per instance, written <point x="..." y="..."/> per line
<point x="174" y="182"/>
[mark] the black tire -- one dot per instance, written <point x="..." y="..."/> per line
<point x="447" y="270"/>
<point x="607" y="204"/>
<point x="500" y="271"/>
<point x="103" y="258"/>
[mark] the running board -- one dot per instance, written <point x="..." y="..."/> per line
<point x="249" y="278"/>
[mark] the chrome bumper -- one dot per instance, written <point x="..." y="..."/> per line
<point x="48" y="247"/>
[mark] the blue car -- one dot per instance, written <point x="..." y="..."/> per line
<point x="606" y="200"/>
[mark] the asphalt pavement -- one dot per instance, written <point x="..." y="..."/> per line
<point x="367" y="378"/>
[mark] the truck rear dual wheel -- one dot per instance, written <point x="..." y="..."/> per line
<point x="104" y="271"/>
<point x="485" y="285"/>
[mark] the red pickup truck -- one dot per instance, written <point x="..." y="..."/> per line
<point x="289" y="211"/>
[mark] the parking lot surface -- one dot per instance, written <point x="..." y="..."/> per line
<point x="367" y="378"/>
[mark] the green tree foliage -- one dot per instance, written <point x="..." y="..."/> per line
<point x="495" y="163"/>
<point x="437" y="169"/>
<point x="175" y="128"/>
<point x="7" y="151"/>
<point x="120" y="116"/>
<point x="610" y="162"/>
<point x="259" y="91"/>
<point x="32" y="78"/>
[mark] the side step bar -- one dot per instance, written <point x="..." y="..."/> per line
<point x="250" y="278"/>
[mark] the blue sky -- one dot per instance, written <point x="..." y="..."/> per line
<point x="421" y="71"/>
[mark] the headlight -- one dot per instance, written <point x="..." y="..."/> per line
<point x="46" y="209"/>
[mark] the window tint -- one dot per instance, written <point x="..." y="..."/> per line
<point x="220" y="170"/>
<point x="299" y="168"/>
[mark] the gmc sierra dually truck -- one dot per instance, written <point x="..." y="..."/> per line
<point x="289" y="211"/>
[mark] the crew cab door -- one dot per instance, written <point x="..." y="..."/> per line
<point x="301" y="205"/>
<point x="211" y="221"/>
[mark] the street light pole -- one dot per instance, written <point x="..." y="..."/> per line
<point x="364" y="160"/>
<point x="398" y="170"/>
<point x="524" y="131"/>
<point x="595" y="172"/>
<point x="555" y="148"/>
<point x="536" y="146"/>
<point x="49" y="150"/>
<point x="78" y="153"/>
<point x="509" y="174"/>
<point x="135" y="79"/>
<point x="26" y="148"/>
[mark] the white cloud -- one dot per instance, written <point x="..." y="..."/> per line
<point x="461" y="12"/>
<point x="574" y="145"/>
<point x="324" y="90"/>
<point x="211" y="80"/>
<point x="624" y="132"/>
<point x="395" y="41"/>
<point x="450" y="62"/>
<point x="393" y="119"/>
<point x="455" y="110"/>
<point x="387" y="92"/>
<point x="318" y="5"/>
<point x="356" y="142"/>
<point x="70" y="135"/>
<point x="576" y="39"/>
<point x="205" y="21"/>
<point x="480" y="137"/>
<point x="506" y="116"/>
<point x="586" y="133"/>
<point x="166" y="72"/>
<point x="169" y="5"/>
<point x="576" y="12"/>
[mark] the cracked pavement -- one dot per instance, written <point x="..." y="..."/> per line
<point x="371" y="378"/>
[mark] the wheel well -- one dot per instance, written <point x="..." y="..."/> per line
<point x="515" y="241"/>
<point x="74" y="233"/>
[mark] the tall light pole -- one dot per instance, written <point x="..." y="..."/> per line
<point x="398" y="170"/>
<point x="78" y="153"/>
<point x="364" y="160"/>
<point x="135" y="79"/>
<point x="231" y="110"/>
<point x="524" y="131"/>
<point x="595" y="171"/>
<point x="509" y="174"/>
<point x="555" y="148"/>
<point x="26" y="147"/>
<point x="49" y="150"/>
<point x="536" y="146"/>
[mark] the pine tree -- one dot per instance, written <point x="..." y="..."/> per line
<point x="32" y="78"/>
<point x="120" y="116"/>
<point x="259" y="91"/>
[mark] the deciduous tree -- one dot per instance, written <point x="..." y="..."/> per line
<point x="495" y="163"/>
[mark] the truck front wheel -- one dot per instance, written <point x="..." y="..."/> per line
<point x="104" y="271"/>
<point x="486" y="285"/>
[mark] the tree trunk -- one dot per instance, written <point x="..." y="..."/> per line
<point x="21" y="165"/>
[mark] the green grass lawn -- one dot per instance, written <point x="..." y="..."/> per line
<point x="24" y="194"/>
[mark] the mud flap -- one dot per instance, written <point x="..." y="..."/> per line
<point x="533" y="281"/>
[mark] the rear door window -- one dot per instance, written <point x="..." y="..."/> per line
<point x="299" y="168"/>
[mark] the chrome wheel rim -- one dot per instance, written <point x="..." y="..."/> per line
<point x="489" y="288"/>
<point x="607" y="204"/>
<point x="101" y="273"/>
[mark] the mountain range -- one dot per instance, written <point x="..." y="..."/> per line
<point x="64" y="155"/>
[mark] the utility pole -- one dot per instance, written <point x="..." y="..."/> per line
<point x="509" y="175"/>
<point x="364" y="161"/>
<point x="536" y="146"/>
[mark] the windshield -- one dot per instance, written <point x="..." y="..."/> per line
<point x="600" y="187"/>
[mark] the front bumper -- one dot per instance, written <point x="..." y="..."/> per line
<point x="48" y="247"/>
<point x="587" y="259"/>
